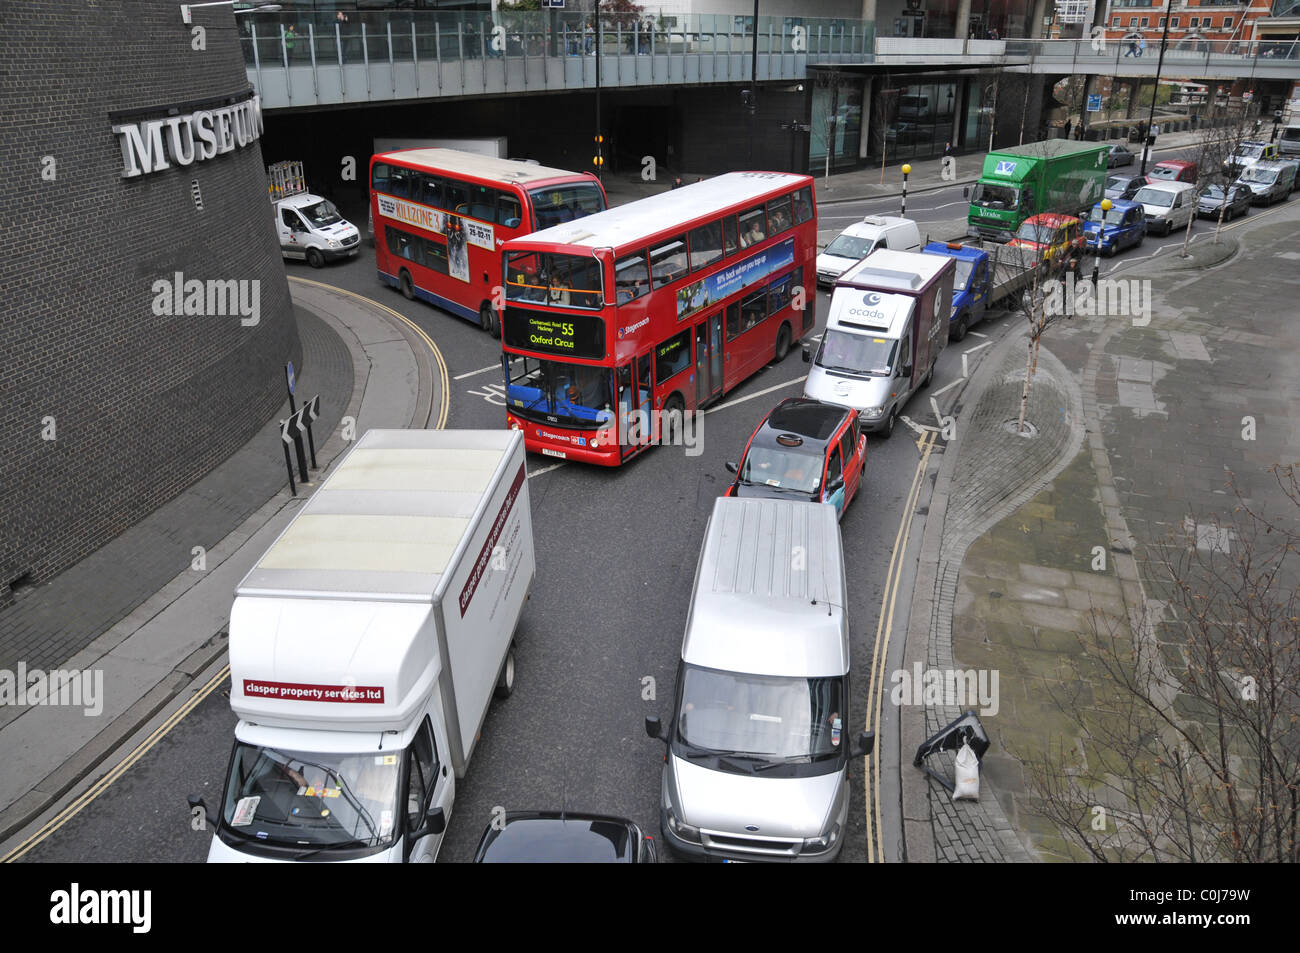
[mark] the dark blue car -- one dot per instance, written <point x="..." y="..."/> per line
<point x="1124" y="226"/>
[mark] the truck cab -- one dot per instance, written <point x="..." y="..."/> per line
<point x="887" y="325"/>
<point x="971" y="284"/>
<point x="309" y="227"/>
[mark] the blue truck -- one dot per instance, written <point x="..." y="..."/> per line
<point x="989" y="275"/>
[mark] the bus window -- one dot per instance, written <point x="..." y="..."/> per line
<point x="398" y="182"/>
<point x="778" y="214"/>
<point x="564" y="280"/>
<point x="803" y="206"/>
<point x="753" y="310"/>
<point x="780" y="294"/>
<point x="752" y="227"/>
<point x="379" y="177"/>
<point x="455" y="196"/>
<point x="509" y="211"/>
<point x="730" y="242"/>
<point x="668" y="261"/>
<point x="706" y="245"/>
<point x="631" y="277"/>
<point x="733" y="321"/>
<point x="482" y="203"/>
<point x="673" y="356"/>
<point x="564" y="203"/>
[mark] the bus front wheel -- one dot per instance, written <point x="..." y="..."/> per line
<point x="404" y="283"/>
<point x="782" y="343"/>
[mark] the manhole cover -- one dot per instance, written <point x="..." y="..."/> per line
<point x="1012" y="427"/>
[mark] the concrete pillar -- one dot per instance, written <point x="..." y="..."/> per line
<point x="869" y="10"/>
<point x="864" y="138"/>
<point x="1037" y="11"/>
<point x="963" y="19"/>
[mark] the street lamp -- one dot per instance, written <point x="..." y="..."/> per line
<point x="1155" y="91"/>
<point x="1106" y="206"/>
<point x="907" y="170"/>
<point x="186" y="8"/>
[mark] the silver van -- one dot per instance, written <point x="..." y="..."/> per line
<point x="760" y="745"/>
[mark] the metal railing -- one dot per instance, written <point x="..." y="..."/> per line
<point x="283" y="39"/>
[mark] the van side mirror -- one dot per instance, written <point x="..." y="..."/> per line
<point x="655" y="729"/>
<point x="731" y="467"/>
<point x="194" y="801"/>
<point x="965" y="192"/>
<point x="907" y="370"/>
<point x="435" y="821"/>
<point x="865" y="745"/>
<point x="807" y="353"/>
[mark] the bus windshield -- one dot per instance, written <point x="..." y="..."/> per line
<point x="311" y="799"/>
<point x="561" y="280"/>
<point x="557" y="204"/>
<point x="321" y="213"/>
<point x="856" y="353"/>
<point x="987" y="195"/>
<point x="574" y="395"/>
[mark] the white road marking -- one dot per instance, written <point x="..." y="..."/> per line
<point x="947" y="387"/>
<point x="919" y="428"/>
<point x="553" y="466"/>
<point x="481" y="370"/>
<point x="976" y="334"/>
<point x="972" y="350"/>
<point x="741" y="400"/>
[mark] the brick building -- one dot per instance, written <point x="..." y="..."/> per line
<point x="111" y="402"/>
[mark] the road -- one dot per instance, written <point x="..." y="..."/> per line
<point x="616" y="553"/>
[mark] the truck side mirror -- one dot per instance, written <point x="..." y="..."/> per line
<point x="655" y="729"/>
<point x="731" y="467"/>
<point x="194" y="801"/>
<point x="965" y="192"/>
<point x="435" y="821"/>
<point x="807" y="353"/>
<point x="865" y="745"/>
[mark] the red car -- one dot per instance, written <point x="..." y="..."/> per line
<point x="1052" y="235"/>
<point x="1173" y="170"/>
<point x="803" y="450"/>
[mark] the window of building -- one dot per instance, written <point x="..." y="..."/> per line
<point x="1146" y="22"/>
<point x="1174" y="23"/>
<point x="1132" y="23"/>
<point x="1114" y="21"/>
<point x="1161" y="23"/>
<point x="1195" y="22"/>
<point x="1227" y="23"/>
<point x="673" y="356"/>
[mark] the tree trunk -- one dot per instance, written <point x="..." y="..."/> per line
<point x="1024" y="392"/>
<point x="1187" y="232"/>
<point x="1223" y="208"/>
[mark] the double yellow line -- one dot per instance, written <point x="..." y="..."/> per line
<point x="876" y="691"/>
<point x="103" y="784"/>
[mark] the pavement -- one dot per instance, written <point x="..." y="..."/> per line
<point x="128" y="612"/>
<point x="1030" y="543"/>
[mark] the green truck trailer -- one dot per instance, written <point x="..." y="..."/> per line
<point x="1053" y="176"/>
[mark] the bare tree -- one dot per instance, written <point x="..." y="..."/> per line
<point x="1190" y="725"/>
<point x="1215" y="146"/>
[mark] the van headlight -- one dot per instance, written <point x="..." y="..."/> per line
<point x="871" y="413"/>
<point x="682" y="830"/>
<point x="332" y="243"/>
<point x="823" y="842"/>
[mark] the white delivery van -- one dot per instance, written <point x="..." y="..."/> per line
<point x="310" y="228"/>
<point x="366" y="645"/>
<point x="1167" y="205"/>
<point x="858" y="241"/>
<point x="761" y="742"/>
<point x="1288" y="140"/>
<point x="887" y="325"/>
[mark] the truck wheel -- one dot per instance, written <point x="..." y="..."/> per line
<point x="506" y="680"/>
<point x="782" y="343"/>
<point x="960" y="331"/>
<point x="315" y="258"/>
<point x="487" y="320"/>
<point x="888" y="430"/>
<point x="404" y="283"/>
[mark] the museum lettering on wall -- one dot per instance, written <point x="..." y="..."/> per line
<point x="149" y="145"/>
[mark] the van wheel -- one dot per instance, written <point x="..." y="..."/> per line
<point x="960" y="331"/>
<point x="506" y="680"/>
<point x="888" y="430"/>
<point x="315" y="258"/>
<point x="782" y="343"/>
<point x="404" y="283"/>
<point x="487" y="320"/>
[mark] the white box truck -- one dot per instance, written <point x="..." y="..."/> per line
<point x="366" y="645"/>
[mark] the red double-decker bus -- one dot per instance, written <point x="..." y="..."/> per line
<point x="441" y="216"/>
<point x="634" y="316"/>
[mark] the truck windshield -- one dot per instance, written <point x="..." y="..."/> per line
<point x="321" y="214"/>
<point x="556" y="204"/>
<point x="766" y="717"/>
<point x="850" y="246"/>
<point x="312" y="799"/>
<point x="962" y="278"/>
<point x="561" y="280"/>
<point x="856" y="353"/>
<point x="799" y="472"/>
<point x="987" y="195"/>
<point x="575" y="395"/>
<point x="1154" y="197"/>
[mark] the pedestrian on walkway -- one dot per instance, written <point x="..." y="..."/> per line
<point x="289" y="38"/>
<point x="1132" y="48"/>
<point x="1142" y="46"/>
<point x="1068" y="126"/>
<point x="947" y="150"/>
<point x="589" y="39"/>
<point x="677" y="182"/>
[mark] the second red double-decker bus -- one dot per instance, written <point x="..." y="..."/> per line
<point x="441" y="217"/>
<point x="616" y="326"/>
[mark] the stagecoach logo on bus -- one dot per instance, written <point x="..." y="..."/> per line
<point x="435" y="220"/>
<point x="624" y="332"/>
<point x="700" y="294"/>
<point x="201" y="135"/>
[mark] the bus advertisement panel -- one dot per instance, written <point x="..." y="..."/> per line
<point x="441" y="217"/>
<point x="618" y="329"/>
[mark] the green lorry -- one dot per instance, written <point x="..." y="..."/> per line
<point x="1053" y="176"/>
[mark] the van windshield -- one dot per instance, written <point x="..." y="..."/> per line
<point x="1259" y="176"/>
<point x="1154" y="197"/>
<point x="856" y="353"/>
<point x="321" y="214"/>
<point x="311" y="799"/>
<point x="1291" y="134"/>
<point x="766" y="717"/>
<point x="850" y="246"/>
<point x="995" y="196"/>
<point x="962" y="277"/>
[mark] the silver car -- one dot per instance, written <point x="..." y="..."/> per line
<point x="759" y="747"/>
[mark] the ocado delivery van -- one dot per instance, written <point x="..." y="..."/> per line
<point x="366" y="645"/>
<point x="760" y="744"/>
<point x="888" y="323"/>
<point x="309" y="227"/>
